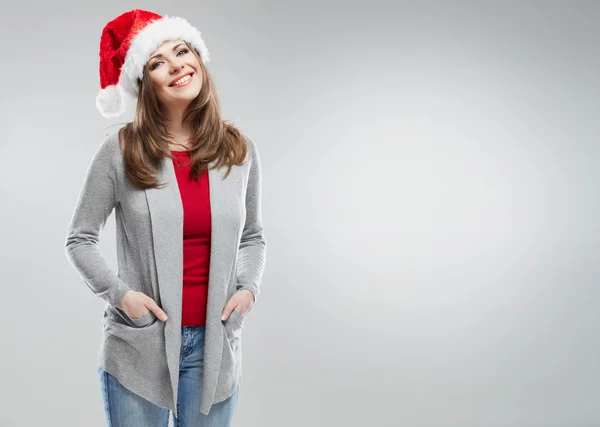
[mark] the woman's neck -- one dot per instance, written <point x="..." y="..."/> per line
<point x="180" y="134"/>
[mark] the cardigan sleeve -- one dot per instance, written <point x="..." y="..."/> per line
<point x="253" y="244"/>
<point x="96" y="201"/>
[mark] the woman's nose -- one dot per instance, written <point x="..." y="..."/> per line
<point x="177" y="66"/>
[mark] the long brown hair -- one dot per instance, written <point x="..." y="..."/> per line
<point x="145" y="140"/>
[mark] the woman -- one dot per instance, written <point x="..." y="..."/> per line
<point x="186" y="190"/>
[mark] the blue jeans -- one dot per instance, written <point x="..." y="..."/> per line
<point x="123" y="408"/>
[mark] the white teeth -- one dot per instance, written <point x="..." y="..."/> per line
<point x="182" y="80"/>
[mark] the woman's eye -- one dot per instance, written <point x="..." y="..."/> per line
<point x="158" y="62"/>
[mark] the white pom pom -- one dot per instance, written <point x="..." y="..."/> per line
<point x="110" y="102"/>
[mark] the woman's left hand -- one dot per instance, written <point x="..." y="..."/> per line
<point x="241" y="301"/>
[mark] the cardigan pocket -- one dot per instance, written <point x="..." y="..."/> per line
<point x="146" y="320"/>
<point x="233" y="329"/>
<point x="144" y="340"/>
<point x="138" y="322"/>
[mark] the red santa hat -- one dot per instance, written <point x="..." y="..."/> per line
<point x="125" y="46"/>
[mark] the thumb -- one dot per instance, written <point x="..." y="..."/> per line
<point x="226" y="311"/>
<point x="153" y="307"/>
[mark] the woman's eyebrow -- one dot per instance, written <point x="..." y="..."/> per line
<point x="160" y="54"/>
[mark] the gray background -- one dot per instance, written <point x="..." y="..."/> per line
<point x="430" y="201"/>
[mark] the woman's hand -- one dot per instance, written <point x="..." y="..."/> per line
<point x="242" y="300"/>
<point x="137" y="304"/>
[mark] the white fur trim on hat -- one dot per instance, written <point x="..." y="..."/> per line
<point x="146" y="42"/>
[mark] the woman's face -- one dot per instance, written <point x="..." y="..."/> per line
<point x="167" y="65"/>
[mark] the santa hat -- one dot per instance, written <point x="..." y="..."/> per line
<point x="125" y="46"/>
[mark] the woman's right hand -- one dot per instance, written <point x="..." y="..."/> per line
<point x="137" y="304"/>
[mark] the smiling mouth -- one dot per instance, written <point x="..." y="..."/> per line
<point x="184" y="80"/>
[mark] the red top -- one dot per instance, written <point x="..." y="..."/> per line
<point x="195" y="197"/>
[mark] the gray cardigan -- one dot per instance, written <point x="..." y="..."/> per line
<point x="143" y="353"/>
